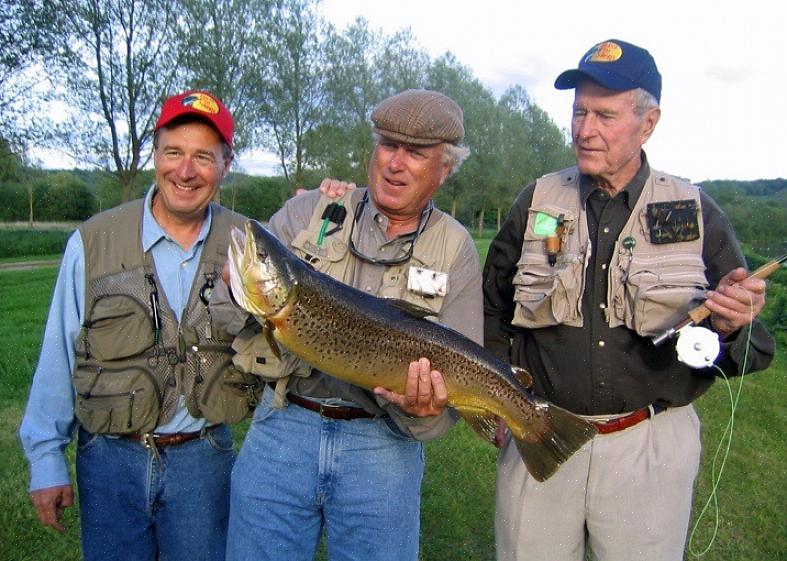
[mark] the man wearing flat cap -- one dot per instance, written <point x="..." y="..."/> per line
<point x="330" y="456"/>
<point x="598" y="259"/>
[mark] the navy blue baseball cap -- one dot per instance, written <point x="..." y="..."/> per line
<point x="615" y="65"/>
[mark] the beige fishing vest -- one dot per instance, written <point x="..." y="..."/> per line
<point x="651" y="286"/>
<point x="436" y="250"/>
<point x="127" y="375"/>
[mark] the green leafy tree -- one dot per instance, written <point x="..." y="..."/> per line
<point x="25" y="35"/>
<point x="115" y="62"/>
<point x="66" y="197"/>
<point x="363" y="66"/>
<point x="226" y="46"/>
<point x="289" y="77"/>
<point x="470" y="187"/>
<point x="256" y="197"/>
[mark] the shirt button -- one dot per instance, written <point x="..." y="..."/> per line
<point x="184" y="265"/>
<point x="604" y="267"/>
<point x="368" y="289"/>
<point x="606" y="230"/>
<point x="601" y="343"/>
<point x="603" y="306"/>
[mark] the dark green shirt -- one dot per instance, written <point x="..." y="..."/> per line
<point x="595" y="369"/>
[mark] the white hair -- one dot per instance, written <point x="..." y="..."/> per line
<point x="453" y="154"/>
<point x="644" y="101"/>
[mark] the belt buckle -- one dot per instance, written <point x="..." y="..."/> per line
<point x="149" y="442"/>
<point x="323" y="407"/>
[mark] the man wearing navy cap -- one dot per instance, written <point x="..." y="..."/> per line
<point x="132" y="365"/>
<point x="596" y="260"/>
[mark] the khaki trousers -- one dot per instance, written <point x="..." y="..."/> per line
<point x="624" y="496"/>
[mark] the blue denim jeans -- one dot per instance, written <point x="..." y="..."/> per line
<point x="299" y="474"/>
<point x="136" y="508"/>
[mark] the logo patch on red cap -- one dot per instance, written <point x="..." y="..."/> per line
<point x="605" y="52"/>
<point x="201" y="102"/>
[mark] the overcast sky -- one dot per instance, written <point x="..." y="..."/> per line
<point x="723" y="63"/>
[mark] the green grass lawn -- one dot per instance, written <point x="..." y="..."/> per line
<point x="458" y="490"/>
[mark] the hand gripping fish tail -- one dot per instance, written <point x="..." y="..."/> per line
<point x="370" y="341"/>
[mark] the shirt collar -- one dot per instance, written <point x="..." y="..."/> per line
<point x="630" y="192"/>
<point x="381" y="220"/>
<point x="152" y="231"/>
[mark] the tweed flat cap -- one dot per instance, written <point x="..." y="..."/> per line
<point x="420" y="117"/>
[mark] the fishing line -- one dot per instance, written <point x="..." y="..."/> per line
<point x="725" y="443"/>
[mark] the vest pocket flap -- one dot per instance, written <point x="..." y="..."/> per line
<point x="116" y="401"/>
<point x="543" y="221"/>
<point x="230" y="396"/>
<point x="117" y="327"/>
<point x="661" y="291"/>
<point x="331" y="250"/>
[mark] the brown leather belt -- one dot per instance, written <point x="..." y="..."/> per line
<point x="330" y="411"/>
<point x="172" y="439"/>
<point x="621" y="423"/>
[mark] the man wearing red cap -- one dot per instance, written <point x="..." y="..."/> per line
<point x="131" y="363"/>
<point x="598" y="259"/>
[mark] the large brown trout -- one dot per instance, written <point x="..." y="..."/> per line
<point x="369" y="342"/>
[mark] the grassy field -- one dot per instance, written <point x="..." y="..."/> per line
<point x="458" y="492"/>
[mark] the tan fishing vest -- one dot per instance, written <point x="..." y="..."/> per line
<point x="128" y="375"/>
<point x="435" y="250"/>
<point x="651" y="286"/>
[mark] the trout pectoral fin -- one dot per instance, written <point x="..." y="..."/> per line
<point x="411" y="309"/>
<point x="483" y="422"/>
<point x="550" y="441"/>
<point x="267" y="331"/>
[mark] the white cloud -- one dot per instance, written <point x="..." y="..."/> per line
<point x="722" y="63"/>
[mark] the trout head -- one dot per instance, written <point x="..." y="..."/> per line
<point x="261" y="273"/>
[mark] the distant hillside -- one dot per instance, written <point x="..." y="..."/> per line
<point x="758" y="188"/>
<point x="757" y="210"/>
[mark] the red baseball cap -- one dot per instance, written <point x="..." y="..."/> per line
<point x="202" y="104"/>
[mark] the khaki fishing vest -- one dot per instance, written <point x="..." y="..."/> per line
<point x="651" y="286"/>
<point x="435" y="250"/>
<point x="128" y="375"/>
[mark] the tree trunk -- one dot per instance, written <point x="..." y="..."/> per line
<point x="125" y="189"/>
<point x="480" y="222"/>
<point x="30" y="204"/>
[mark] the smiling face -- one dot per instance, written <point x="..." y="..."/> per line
<point x="608" y="134"/>
<point x="402" y="180"/>
<point x="190" y="164"/>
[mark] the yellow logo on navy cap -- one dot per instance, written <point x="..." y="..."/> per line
<point x="201" y="102"/>
<point x="605" y="52"/>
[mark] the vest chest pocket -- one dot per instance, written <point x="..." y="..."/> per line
<point x="117" y="327"/>
<point x="116" y="401"/>
<point x="544" y="294"/>
<point x="659" y="291"/>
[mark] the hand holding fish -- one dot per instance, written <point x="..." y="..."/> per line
<point x="370" y="342"/>
<point x="425" y="394"/>
<point x="736" y="300"/>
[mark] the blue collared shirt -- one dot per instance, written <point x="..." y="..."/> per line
<point x="49" y="423"/>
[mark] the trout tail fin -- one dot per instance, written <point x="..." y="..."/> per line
<point x="559" y="435"/>
<point x="544" y="444"/>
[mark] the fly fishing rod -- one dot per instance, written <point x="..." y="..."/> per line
<point x="697" y="346"/>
